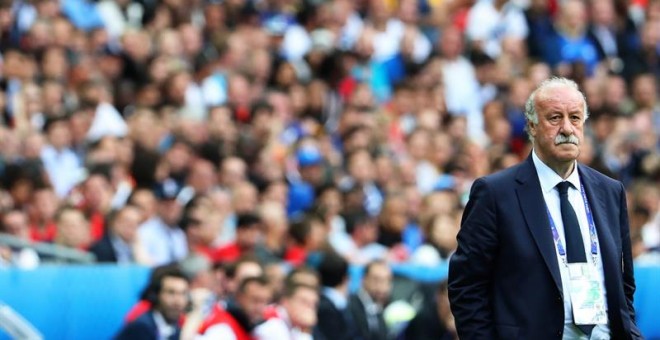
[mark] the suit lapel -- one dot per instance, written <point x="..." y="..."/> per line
<point x="535" y="213"/>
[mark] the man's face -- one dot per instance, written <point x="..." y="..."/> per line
<point x="560" y="125"/>
<point x="127" y="223"/>
<point x="247" y="237"/>
<point x="170" y="211"/>
<point x="301" y="307"/>
<point x="378" y="283"/>
<point x="173" y="298"/>
<point x="16" y="224"/>
<point x="253" y="300"/>
<point x="244" y="270"/>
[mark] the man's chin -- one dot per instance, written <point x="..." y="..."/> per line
<point x="568" y="156"/>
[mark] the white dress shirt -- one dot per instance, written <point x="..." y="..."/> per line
<point x="63" y="168"/>
<point x="165" y="330"/>
<point x="280" y="328"/>
<point x="163" y="243"/>
<point x="549" y="179"/>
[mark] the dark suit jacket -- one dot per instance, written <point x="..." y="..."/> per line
<point x="504" y="280"/>
<point x="426" y="325"/>
<point x="359" y="315"/>
<point x="143" y="328"/>
<point x="104" y="250"/>
<point x="334" y="324"/>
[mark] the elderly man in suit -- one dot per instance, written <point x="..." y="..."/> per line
<point x="544" y="247"/>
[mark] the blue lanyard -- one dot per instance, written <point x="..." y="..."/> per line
<point x="592" y="230"/>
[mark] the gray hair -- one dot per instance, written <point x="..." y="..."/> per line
<point x="530" y="106"/>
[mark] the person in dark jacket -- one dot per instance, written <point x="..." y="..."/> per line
<point x="168" y="300"/>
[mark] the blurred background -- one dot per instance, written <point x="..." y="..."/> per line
<point x="136" y="134"/>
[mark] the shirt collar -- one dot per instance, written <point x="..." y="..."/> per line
<point x="165" y="330"/>
<point x="369" y="304"/>
<point x="338" y="299"/>
<point x="549" y="178"/>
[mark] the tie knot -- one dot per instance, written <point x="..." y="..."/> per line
<point x="562" y="187"/>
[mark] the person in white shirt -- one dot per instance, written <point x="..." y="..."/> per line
<point x="161" y="236"/>
<point x="293" y="318"/>
<point x="63" y="166"/>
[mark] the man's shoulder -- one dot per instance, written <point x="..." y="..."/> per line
<point x="103" y="249"/>
<point x="592" y="174"/>
<point x="271" y="327"/>
<point x="146" y="319"/>
<point x="353" y="299"/>
<point x="143" y="327"/>
<point x="595" y="179"/>
<point x="505" y="176"/>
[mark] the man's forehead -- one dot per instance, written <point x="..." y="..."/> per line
<point x="559" y="95"/>
<point x="173" y="282"/>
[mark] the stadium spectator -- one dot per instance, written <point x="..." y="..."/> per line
<point x="366" y="306"/>
<point x="249" y="232"/>
<point x="360" y="246"/>
<point x="72" y="228"/>
<point x="168" y="300"/>
<point x="15" y="223"/>
<point x="294" y="317"/>
<point x="42" y="214"/>
<point x="161" y="236"/>
<point x="120" y="244"/>
<point x="334" y="319"/>
<point x="435" y="320"/>
<point x="238" y="318"/>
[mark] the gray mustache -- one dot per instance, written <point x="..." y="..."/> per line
<point x="561" y="139"/>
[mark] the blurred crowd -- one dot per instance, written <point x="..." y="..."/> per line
<point x="291" y="132"/>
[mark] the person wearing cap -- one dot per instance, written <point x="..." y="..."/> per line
<point x="310" y="170"/>
<point x="161" y="237"/>
<point x="310" y="161"/>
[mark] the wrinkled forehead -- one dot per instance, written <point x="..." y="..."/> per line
<point x="559" y="95"/>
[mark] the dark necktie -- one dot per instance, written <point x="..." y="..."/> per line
<point x="574" y="244"/>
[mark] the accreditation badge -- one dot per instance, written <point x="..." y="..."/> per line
<point x="587" y="296"/>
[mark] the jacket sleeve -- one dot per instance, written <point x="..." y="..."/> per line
<point x="136" y="330"/>
<point x="471" y="266"/>
<point x="627" y="262"/>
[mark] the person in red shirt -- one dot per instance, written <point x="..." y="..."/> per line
<point x="236" y="319"/>
<point x="248" y="234"/>
<point x="201" y="223"/>
<point x="42" y="209"/>
<point x="97" y="195"/>
<point x="307" y="236"/>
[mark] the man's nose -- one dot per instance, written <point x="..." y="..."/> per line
<point x="566" y="126"/>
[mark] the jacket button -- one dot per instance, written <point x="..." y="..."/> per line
<point x="559" y="333"/>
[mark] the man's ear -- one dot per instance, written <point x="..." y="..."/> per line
<point x="531" y="128"/>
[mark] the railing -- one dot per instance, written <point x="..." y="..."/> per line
<point x="48" y="251"/>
